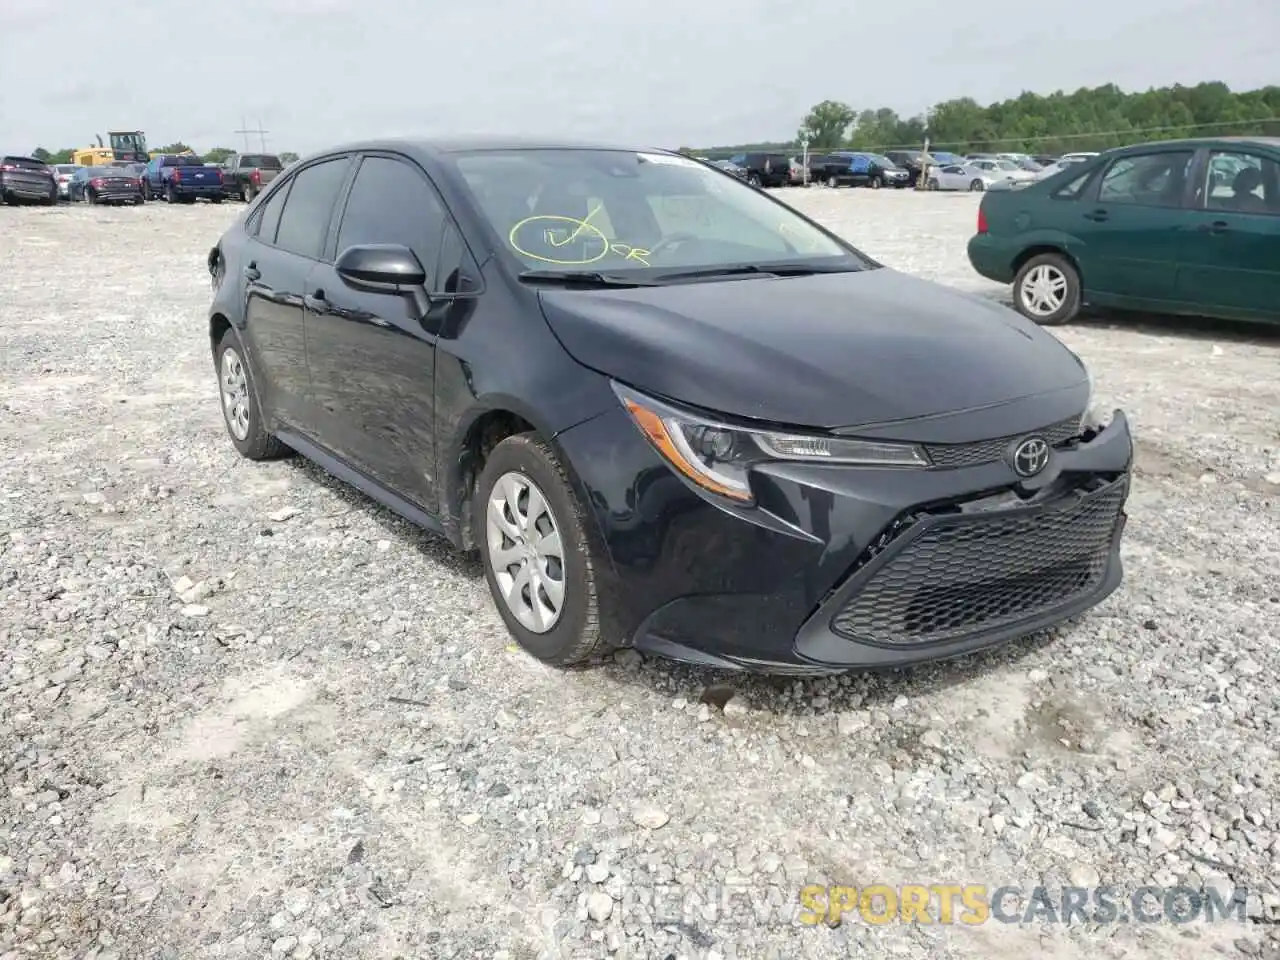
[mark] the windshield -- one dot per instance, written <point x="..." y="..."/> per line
<point x="615" y="211"/>
<point x="883" y="161"/>
<point x="131" y="142"/>
<point x="1006" y="165"/>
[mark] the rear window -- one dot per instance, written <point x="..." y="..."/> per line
<point x="261" y="161"/>
<point x="27" y="163"/>
<point x="182" y="162"/>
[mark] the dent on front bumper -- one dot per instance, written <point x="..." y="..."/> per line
<point x="840" y="568"/>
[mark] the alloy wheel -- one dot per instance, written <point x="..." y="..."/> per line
<point x="1043" y="290"/>
<point x="526" y="552"/>
<point x="235" y="393"/>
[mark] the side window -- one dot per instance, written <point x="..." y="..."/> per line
<point x="269" y="214"/>
<point x="304" y="222"/>
<point x="453" y="257"/>
<point x="1242" y="182"/>
<point x="391" y="202"/>
<point x="1072" y="189"/>
<point x="1147" y="179"/>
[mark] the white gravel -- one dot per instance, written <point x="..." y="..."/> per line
<point x="245" y="712"/>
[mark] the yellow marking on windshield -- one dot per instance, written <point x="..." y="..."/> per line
<point x="553" y="225"/>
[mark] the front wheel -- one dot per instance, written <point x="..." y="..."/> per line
<point x="539" y="559"/>
<point x="1047" y="290"/>
<point x="931" y="184"/>
<point x="977" y="186"/>
<point x="876" y="183"/>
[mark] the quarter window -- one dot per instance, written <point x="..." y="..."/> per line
<point x="1073" y="189"/>
<point x="269" y="214"/>
<point x="1147" y="179"/>
<point x="391" y="202"/>
<point x="1241" y="183"/>
<point x="304" y="223"/>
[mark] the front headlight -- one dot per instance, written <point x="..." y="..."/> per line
<point x="718" y="456"/>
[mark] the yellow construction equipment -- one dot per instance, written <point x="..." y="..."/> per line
<point x="127" y="145"/>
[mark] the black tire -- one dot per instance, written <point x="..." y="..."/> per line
<point x="832" y="182"/>
<point x="931" y="184"/>
<point x="257" y="444"/>
<point x="170" y="195"/>
<point x="754" y="179"/>
<point x="215" y="199"/>
<point x="146" y="190"/>
<point x="876" y="183"/>
<point x="90" y="196"/>
<point x="977" y="186"/>
<point x="1070" y="306"/>
<point x="578" y="635"/>
<point x="249" y="193"/>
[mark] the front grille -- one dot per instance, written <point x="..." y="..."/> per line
<point x="949" y="576"/>
<point x="989" y="451"/>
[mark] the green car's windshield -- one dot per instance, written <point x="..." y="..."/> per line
<point x="620" y="212"/>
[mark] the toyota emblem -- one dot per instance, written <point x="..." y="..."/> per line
<point x="1030" y="457"/>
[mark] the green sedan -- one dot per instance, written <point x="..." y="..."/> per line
<point x="1182" y="227"/>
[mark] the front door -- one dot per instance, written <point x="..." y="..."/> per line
<point x="1130" y="226"/>
<point x="372" y="355"/>
<point x="1230" y="257"/>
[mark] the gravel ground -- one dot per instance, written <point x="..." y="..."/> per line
<point x="244" y="712"/>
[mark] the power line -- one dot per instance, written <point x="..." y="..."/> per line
<point x="1086" y="136"/>
<point x="262" y="134"/>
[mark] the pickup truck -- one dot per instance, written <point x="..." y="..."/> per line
<point x="245" y="174"/>
<point x="181" y="179"/>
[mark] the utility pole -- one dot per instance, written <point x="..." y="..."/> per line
<point x="245" y="131"/>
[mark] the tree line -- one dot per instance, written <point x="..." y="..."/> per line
<point x="216" y="155"/>
<point x="1096" y="118"/>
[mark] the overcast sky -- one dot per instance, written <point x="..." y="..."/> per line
<point x="654" y="72"/>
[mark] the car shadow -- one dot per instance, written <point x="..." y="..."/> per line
<point x="868" y="689"/>
<point x="628" y="667"/>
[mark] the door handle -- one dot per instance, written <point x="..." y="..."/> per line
<point x="1097" y="216"/>
<point x="251" y="272"/>
<point x="1218" y="226"/>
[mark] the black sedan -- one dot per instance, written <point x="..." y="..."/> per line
<point x="105" y="185"/>
<point x="667" y="410"/>
<point x="26" y="179"/>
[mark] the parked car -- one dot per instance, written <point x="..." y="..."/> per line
<point x="883" y="172"/>
<point x="26" y="178"/>
<point x="1076" y="157"/>
<point x="908" y="160"/>
<point x="1044" y="159"/>
<point x="1003" y="169"/>
<point x="728" y="166"/>
<point x="708" y="448"/>
<point x="961" y="177"/>
<point x="104" y="184"/>
<point x="181" y="178"/>
<point x="764" y="169"/>
<point x="1185" y="226"/>
<point x="834" y="170"/>
<point x="244" y="175"/>
<point x="63" y="172"/>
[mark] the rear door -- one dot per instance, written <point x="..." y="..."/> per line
<point x="372" y="357"/>
<point x="1130" y="225"/>
<point x="289" y="234"/>
<point x="1230" y="246"/>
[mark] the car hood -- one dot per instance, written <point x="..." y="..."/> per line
<point x="829" y="350"/>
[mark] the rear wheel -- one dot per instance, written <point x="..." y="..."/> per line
<point x="539" y="559"/>
<point x="90" y="195"/>
<point x="1047" y="289"/>
<point x="239" y="396"/>
<point x="170" y="194"/>
<point x="931" y="184"/>
<point x="832" y="182"/>
<point x="249" y="193"/>
<point x="876" y="183"/>
<point x="977" y="186"/>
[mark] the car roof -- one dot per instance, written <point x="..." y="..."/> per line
<point x="1196" y="142"/>
<point x="466" y="144"/>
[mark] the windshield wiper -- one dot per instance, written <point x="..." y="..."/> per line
<point x="582" y="278"/>
<point x="755" y="269"/>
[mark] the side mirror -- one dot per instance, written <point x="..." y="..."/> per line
<point x="385" y="268"/>
<point x="381" y="267"/>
